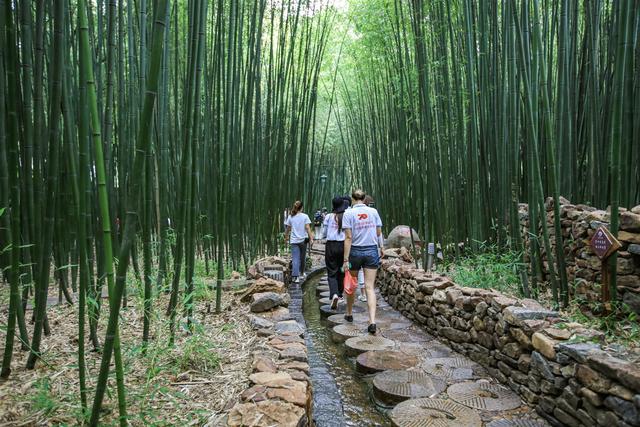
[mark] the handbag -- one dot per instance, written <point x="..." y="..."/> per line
<point x="350" y="283"/>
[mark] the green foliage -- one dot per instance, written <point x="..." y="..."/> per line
<point x="196" y="353"/>
<point x="43" y="400"/>
<point x="489" y="268"/>
<point x="620" y="325"/>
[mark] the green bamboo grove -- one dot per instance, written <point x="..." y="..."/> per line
<point x="135" y="135"/>
<point x="455" y="111"/>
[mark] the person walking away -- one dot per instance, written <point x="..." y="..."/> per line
<point x="362" y="249"/>
<point x="317" y="223"/>
<point x="298" y="233"/>
<point x="334" y="250"/>
<point x="368" y="200"/>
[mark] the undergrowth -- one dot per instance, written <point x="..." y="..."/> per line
<point x="490" y="268"/>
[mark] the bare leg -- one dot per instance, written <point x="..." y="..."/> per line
<point x="369" y="283"/>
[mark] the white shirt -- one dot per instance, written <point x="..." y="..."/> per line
<point x="331" y="228"/>
<point x="297" y="224"/>
<point x="362" y="221"/>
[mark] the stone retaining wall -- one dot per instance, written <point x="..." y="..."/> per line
<point x="280" y="389"/>
<point x="558" y="367"/>
<point x="579" y="223"/>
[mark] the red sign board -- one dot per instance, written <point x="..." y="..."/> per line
<point x="603" y="243"/>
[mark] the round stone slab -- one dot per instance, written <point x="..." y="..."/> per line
<point x="341" y="333"/>
<point x="326" y="311"/>
<point x="437" y="369"/>
<point x="433" y="413"/>
<point x="403" y="335"/>
<point x="372" y="362"/>
<point x="338" y="319"/>
<point x="520" y="422"/>
<point x="324" y="301"/>
<point x="322" y="288"/>
<point x="325" y="294"/>
<point x="452" y="362"/>
<point x="368" y="342"/>
<point x="395" y="386"/>
<point x="484" y="395"/>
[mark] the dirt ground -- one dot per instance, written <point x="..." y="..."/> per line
<point x="189" y="384"/>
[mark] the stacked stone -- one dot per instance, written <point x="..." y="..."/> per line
<point x="280" y="391"/>
<point x="558" y="367"/>
<point x="579" y="223"/>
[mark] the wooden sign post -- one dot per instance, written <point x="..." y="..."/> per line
<point x="604" y="244"/>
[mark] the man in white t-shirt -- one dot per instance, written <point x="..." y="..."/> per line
<point x="362" y="249"/>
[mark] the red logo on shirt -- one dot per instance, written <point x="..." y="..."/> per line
<point x="362" y="216"/>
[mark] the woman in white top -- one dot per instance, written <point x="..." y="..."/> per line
<point x="298" y="233"/>
<point x="334" y="250"/>
<point x="363" y="249"/>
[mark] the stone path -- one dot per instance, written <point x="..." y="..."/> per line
<point x="426" y="383"/>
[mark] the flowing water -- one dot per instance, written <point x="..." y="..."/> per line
<point x="353" y="388"/>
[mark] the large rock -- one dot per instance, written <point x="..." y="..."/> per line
<point x="401" y="238"/>
<point x="626" y="372"/>
<point x="267" y="300"/>
<point x="625" y="236"/>
<point x="626" y="410"/>
<point x="544" y="344"/>
<point x="518" y="315"/>
<point x="265" y="414"/>
<point x="629" y="221"/>
<point x="260" y="286"/>
<point x="632" y="299"/>
<point x="277" y="314"/>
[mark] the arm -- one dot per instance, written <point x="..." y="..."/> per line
<point x="380" y="241"/>
<point x="347" y="248"/>
<point x="309" y="233"/>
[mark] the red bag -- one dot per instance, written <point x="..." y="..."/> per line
<point x="350" y="283"/>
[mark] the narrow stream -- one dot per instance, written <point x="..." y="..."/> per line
<point x="353" y="388"/>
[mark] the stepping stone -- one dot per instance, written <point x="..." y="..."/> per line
<point x="372" y="362"/>
<point x="520" y="422"/>
<point x="395" y="386"/>
<point x="436" y="349"/>
<point x="484" y="395"/>
<point x="322" y="288"/>
<point x="437" y="369"/>
<point x="454" y="362"/>
<point x="402" y="335"/>
<point x="324" y="301"/>
<point x="433" y="412"/>
<point x="326" y="311"/>
<point x="325" y="294"/>
<point x="338" y="319"/>
<point x="368" y="342"/>
<point x="341" y="333"/>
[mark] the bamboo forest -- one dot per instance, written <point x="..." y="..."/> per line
<point x="156" y="157"/>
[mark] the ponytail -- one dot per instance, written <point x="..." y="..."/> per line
<point x="297" y="207"/>
<point x="339" y="220"/>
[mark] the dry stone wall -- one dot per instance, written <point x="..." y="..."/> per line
<point x="579" y="223"/>
<point x="558" y="367"/>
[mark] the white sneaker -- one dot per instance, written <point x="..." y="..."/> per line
<point x="296" y="280"/>
<point x="362" y="298"/>
<point x="334" y="302"/>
